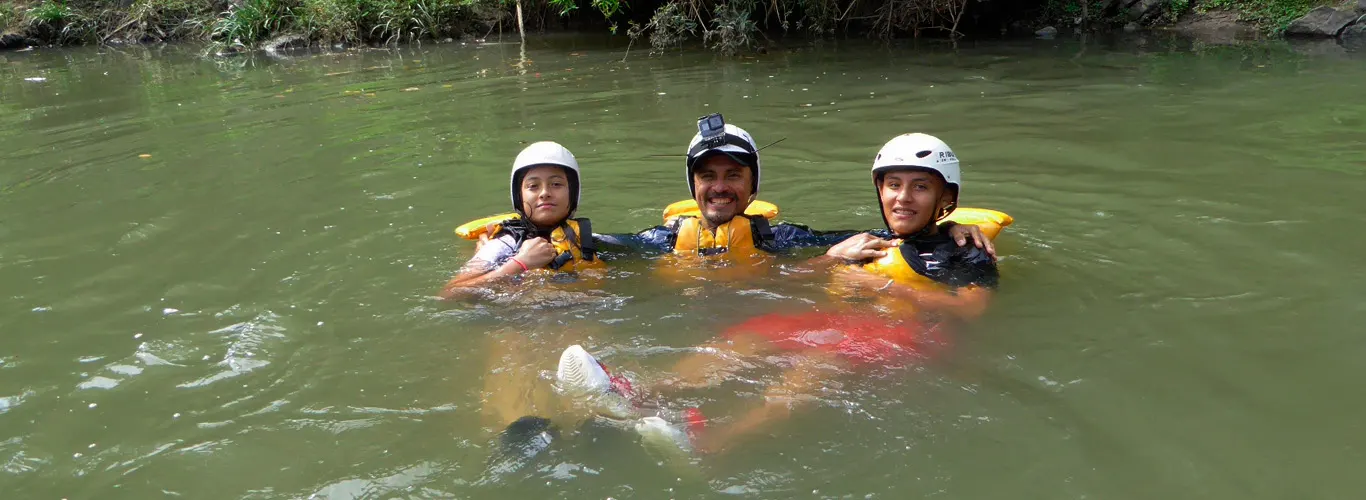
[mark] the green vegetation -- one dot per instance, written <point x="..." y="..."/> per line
<point x="350" y="21"/>
<point x="59" y="22"/>
<point x="1271" y="15"/>
<point x="726" y="26"/>
<point x="731" y="26"/>
<point x="9" y="16"/>
<point x="67" y="22"/>
<point x="245" y="23"/>
<point x="1069" y="12"/>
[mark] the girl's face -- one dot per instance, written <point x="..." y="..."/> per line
<point x="545" y="196"/>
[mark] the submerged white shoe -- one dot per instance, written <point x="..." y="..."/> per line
<point x="581" y="373"/>
<point x="583" y="376"/>
<point x="660" y="435"/>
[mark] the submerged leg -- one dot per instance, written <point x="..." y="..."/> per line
<point x="511" y="386"/>
<point x="716" y="362"/>
<point x="798" y="387"/>
<point x="521" y="406"/>
<point x="514" y="384"/>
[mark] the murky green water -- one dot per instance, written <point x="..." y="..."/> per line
<point x="247" y="312"/>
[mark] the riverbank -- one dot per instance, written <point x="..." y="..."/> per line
<point x="244" y="24"/>
<point x="728" y="27"/>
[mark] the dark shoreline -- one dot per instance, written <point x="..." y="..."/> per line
<point x="1196" y="29"/>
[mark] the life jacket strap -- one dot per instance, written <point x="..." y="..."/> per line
<point x="587" y="246"/>
<point x="763" y="232"/>
<point x="560" y="260"/>
<point x="517" y="228"/>
<point x="674" y="227"/>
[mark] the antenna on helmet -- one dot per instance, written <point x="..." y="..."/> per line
<point x="772" y="143"/>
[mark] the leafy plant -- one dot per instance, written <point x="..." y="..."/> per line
<point x="671" y="25"/>
<point x="161" y="19"/>
<point x="56" y="21"/>
<point x="247" y="23"/>
<point x="9" y="16"/>
<point x="609" y="8"/>
<point x="330" y="20"/>
<point x="731" y="30"/>
<point x="564" y="6"/>
<point x="1173" y="9"/>
<point x="1068" y="12"/>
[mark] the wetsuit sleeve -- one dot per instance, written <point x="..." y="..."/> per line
<point x="789" y="236"/>
<point x="494" y="253"/>
<point x="971" y="266"/>
<point x="655" y="239"/>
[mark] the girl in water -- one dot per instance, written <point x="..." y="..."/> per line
<point x="540" y="237"/>
<point x="541" y="234"/>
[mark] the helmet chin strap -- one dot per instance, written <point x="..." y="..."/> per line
<point x="944" y="212"/>
<point x="948" y="209"/>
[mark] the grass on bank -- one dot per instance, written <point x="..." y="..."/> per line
<point x="727" y="26"/>
<point x="58" y="22"/>
<point x="9" y="17"/>
<point x="353" y="21"/>
<point x="1270" y="15"/>
<point x="71" y="23"/>
<point x="245" y="22"/>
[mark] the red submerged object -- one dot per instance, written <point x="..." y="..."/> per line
<point x="858" y="338"/>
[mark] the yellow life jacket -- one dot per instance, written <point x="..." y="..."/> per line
<point x="689" y="208"/>
<point x="573" y="240"/>
<point x="743" y="236"/>
<point x="735" y="239"/>
<point x="894" y="266"/>
<point x="850" y="283"/>
<point x="733" y="250"/>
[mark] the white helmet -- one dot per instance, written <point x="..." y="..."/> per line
<point x="736" y="144"/>
<point x="542" y="154"/>
<point x="920" y="152"/>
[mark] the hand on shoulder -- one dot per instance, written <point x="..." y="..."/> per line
<point x="861" y="247"/>
<point x="962" y="232"/>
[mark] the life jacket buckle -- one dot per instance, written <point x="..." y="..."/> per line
<point x="708" y="252"/>
<point x="561" y="260"/>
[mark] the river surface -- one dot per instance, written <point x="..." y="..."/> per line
<point x="218" y="275"/>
